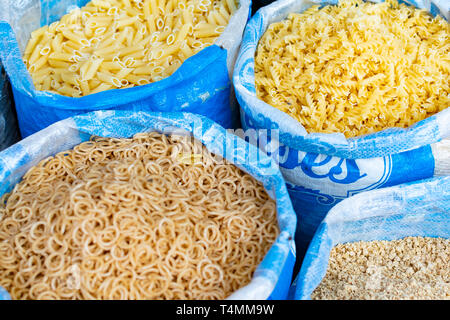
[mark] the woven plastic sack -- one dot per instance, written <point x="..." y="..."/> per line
<point x="201" y="85"/>
<point x="9" y="131"/>
<point x="323" y="169"/>
<point x="417" y="209"/>
<point x="273" y="276"/>
<point x="4" y="295"/>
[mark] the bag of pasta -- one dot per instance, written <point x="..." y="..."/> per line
<point x="9" y="131"/>
<point x="386" y="244"/>
<point x="346" y="97"/>
<point x="143" y="206"/>
<point x="67" y="57"/>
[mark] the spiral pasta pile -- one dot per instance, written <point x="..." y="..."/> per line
<point x="356" y="68"/>
<point x="149" y="217"/>
<point x="119" y="44"/>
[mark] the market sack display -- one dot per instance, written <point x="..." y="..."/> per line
<point x="9" y="131"/>
<point x="400" y="213"/>
<point x="105" y="165"/>
<point x="68" y="57"/>
<point x="341" y="127"/>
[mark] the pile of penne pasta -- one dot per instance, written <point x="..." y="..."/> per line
<point x="110" y="44"/>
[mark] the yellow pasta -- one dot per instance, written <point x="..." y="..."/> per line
<point x="96" y="34"/>
<point x="101" y="87"/>
<point x="149" y="217"/>
<point x="356" y="68"/>
<point x="92" y="67"/>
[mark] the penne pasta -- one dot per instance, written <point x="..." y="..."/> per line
<point x="101" y="87"/>
<point x="67" y="90"/>
<point x="71" y="78"/>
<point x="111" y="44"/>
<point x="91" y="68"/>
<point x="61" y="56"/>
<point x="109" y="78"/>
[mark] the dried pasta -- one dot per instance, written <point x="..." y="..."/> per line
<point x="117" y="44"/>
<point x="356" y="68"/>
<point x="149" y="217"/>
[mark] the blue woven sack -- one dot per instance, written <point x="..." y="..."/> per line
<point x="273" y="276"/>
<point x="323" y="169"/>
<point x="201" y="85"/>
<point x="416" y="209"/>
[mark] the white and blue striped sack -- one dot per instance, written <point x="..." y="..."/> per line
<point x="415" y="209"/>
<point x="273" y="276"/>
<point x="323" y="169"/>
<point x="9" y="131"/>
<point x="201" y="85"/>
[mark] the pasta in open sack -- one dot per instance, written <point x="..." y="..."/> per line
<point x="417" y="209"/>
<point x="103" y="150"/>
<point x="356" y="67"/>
<point x="323" y="167"/>
<point x="68" y="57"/>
